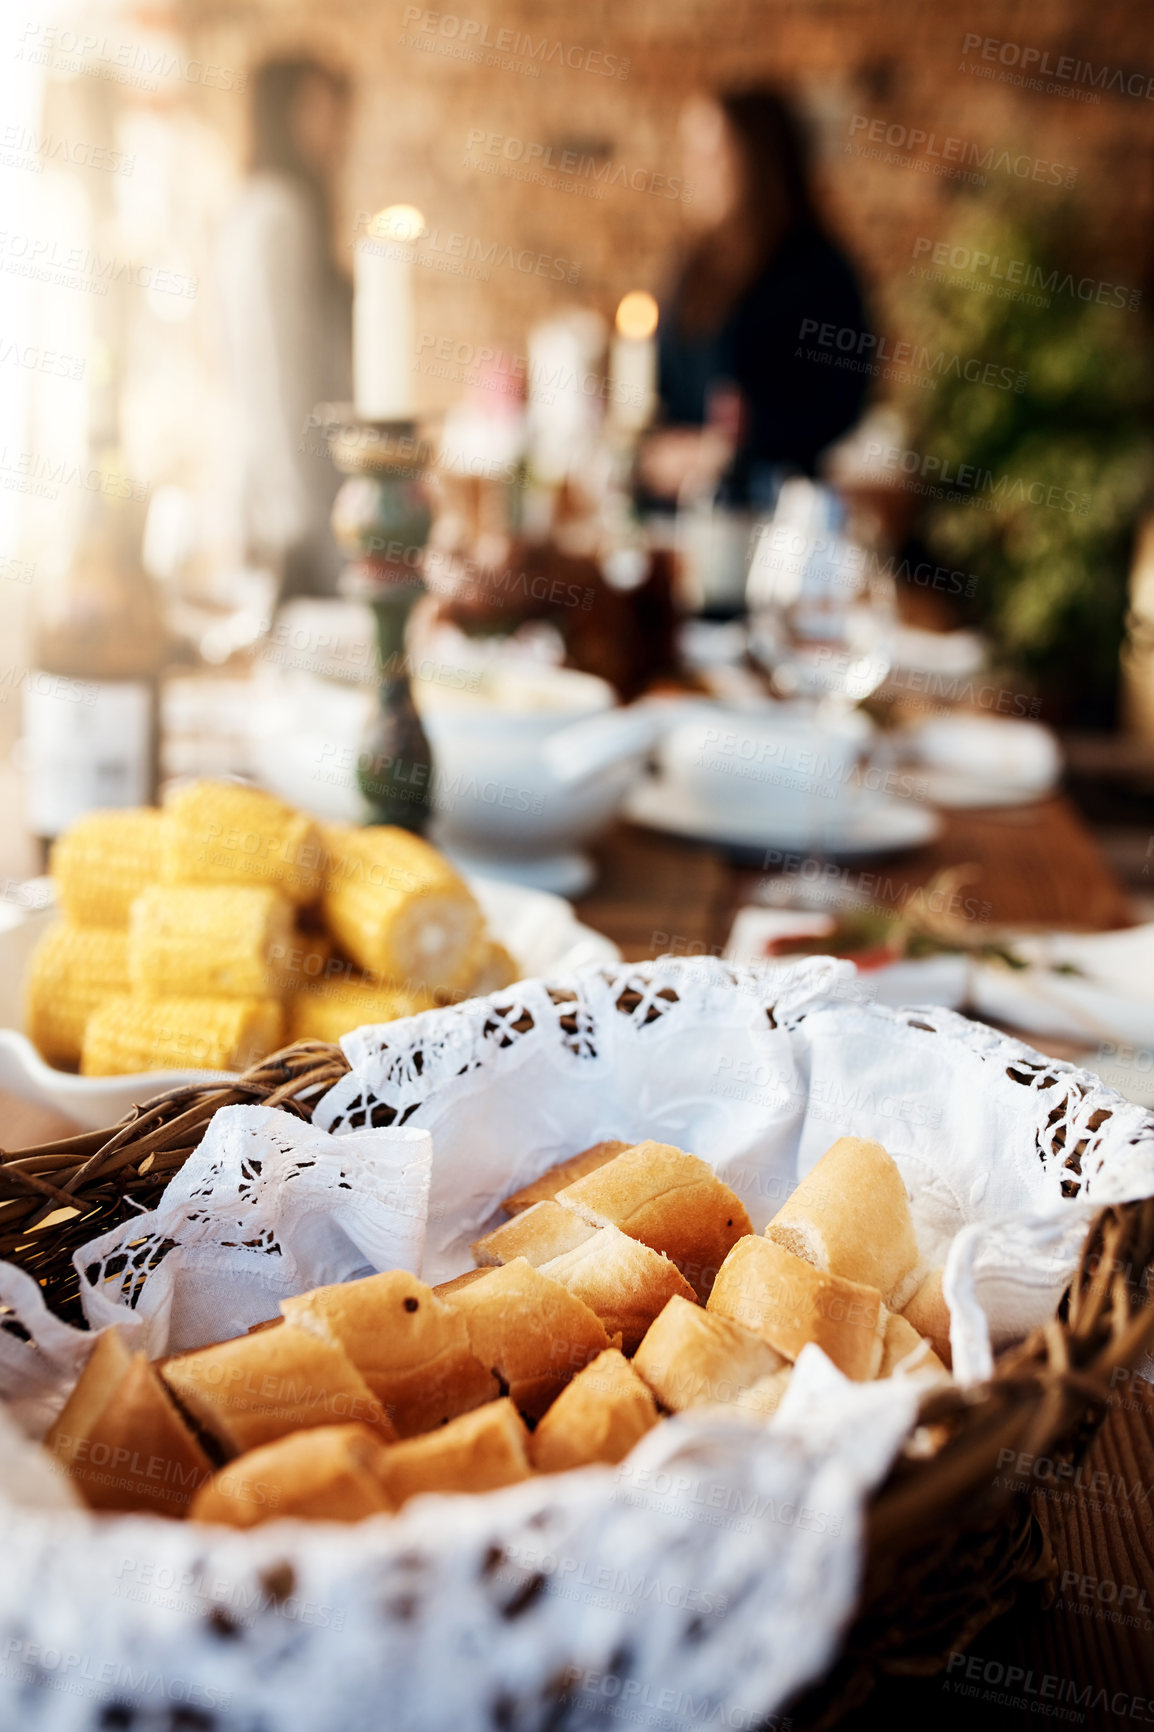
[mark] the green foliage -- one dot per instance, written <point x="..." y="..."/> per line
<point x="1052" y="577"/>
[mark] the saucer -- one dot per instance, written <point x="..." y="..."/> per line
<point x="866" y="825"/>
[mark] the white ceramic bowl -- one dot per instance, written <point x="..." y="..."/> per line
<point x="738" y="764"/>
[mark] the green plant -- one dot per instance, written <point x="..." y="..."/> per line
<point x="1058" y="433"/>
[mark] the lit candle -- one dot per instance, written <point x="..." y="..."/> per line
<point x="633" y="362"/>
<point x="384" y="330"/>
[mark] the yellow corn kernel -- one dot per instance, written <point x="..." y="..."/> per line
<point x="334" y="1008"/>
<point x="129" y="1034"/>
<point x="73" y="970"/>
<point x="398" y="908"/>
<point x="302" y="963"/>
<point x="207" y="940"/>
<point x="105" y="860"/>
<point x="227" y="833"/>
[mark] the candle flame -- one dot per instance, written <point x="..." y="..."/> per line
<point x="400" y="222"/>
<point x="637" y="314"/>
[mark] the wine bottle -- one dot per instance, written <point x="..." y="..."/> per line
<point x="91" y="695"/>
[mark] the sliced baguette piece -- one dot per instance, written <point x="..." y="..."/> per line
<point x="763" y="1398"/>
<point x="619" y="1278"/>
<point x="930" y="1315"/>
<point x="694" y="1358"/>
<point x="122" y="1439"/>
<point x="538" y="1233"/>
<point x="544" y="1189"/>
<point x="529" y="1330"/>
<point x="411" y="1349"/>
<point x="905" y="1353"/>
<point x="598" y="1417"/>
<point x="850" y="1216"/>
<point x="788" y="1302"/>
<point x="481" y="1451"/>
<point x="324" y="1474"/>
<point x="260" y="1387"/>
<point x="671" y="1201"/>
<point x="454" y="1285"/>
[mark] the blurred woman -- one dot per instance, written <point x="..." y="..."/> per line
<point x="287" y="315"/>
<point x="739" y="385"/>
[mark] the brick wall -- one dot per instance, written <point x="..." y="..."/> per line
<point x="606" y="83"/>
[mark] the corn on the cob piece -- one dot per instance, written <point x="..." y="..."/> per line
<point x="207" y="940"/>
<point x="334" y="1008"/>
<point x="225" y="833"/>
<point x="105" y="860"/>
<point x="398" y="908"/>
<point x="302" y="962"/>
<point x="73" y="970"/>
<point x="128" y="1034"/>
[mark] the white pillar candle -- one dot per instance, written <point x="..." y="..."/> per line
<point x="633" y="362"/>
<point x="384" y="325"/>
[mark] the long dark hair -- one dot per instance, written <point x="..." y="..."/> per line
<point x="776" y="200"/>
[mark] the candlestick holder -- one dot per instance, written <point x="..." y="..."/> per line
<point x="381" y="521"/>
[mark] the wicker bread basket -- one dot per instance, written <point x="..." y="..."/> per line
<point x="948" y="1541"/>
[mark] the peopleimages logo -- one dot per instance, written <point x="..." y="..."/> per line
<point x="1040" y="63"/>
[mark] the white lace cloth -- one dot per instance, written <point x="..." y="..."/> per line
<point x="708" y="1577"/>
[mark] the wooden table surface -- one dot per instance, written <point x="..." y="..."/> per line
<point x="1036" y="865"/>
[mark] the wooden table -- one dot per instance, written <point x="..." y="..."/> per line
<point x="1036" y="865"/>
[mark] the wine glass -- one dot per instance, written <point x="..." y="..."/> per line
<point x="823" y="610"/>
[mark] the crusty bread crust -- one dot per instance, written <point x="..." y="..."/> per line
<point x="905" y="1353"/>
<point x="544" y="1189"/>
<point x="481" y="1451"/>
<point x="693" y="1358"/>
<point x="930" y="1315"/>
<point x="529" y="1330"/>
<point x="324" y="1474"/>
<point x="671" y="1201"/>
<point x="411" y="1349"/>
<point x="260" y="1387"/>
<point x="122" y="1439"/>
<point x="625" y="1282"/>
<point x="538" y="1233"/>
<point x="598" y="1417"/>
<point x="454" y="1285"/>
<point x="851" y="1217"/>
<point x="789" y="1302"/>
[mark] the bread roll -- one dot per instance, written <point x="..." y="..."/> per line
<point x="906" y="1354"/>
<point x="260" y="1387"/>
<point x="850" y="1216"/>
<point x="411" y="1349"/>
<point x="324" y="1474"/>
<point x="481" y="1451"/>
<point x="930" y="1315"/>
<point x="598" y="1417"/>
<point x="763" y="1398"/>
<point x="529" y="1330"/>
<point x="789" y="1302"/>
<point x="542" y="1231"/>
<point x="544" y="1189"/>
<point x="669" y="1200"/>
<point x="621" y="1279"/>
<point x="122" y="1439"/>
<point x="691" y="1357"/>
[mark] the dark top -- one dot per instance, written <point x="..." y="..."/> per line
<point x="800" y="392"/>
